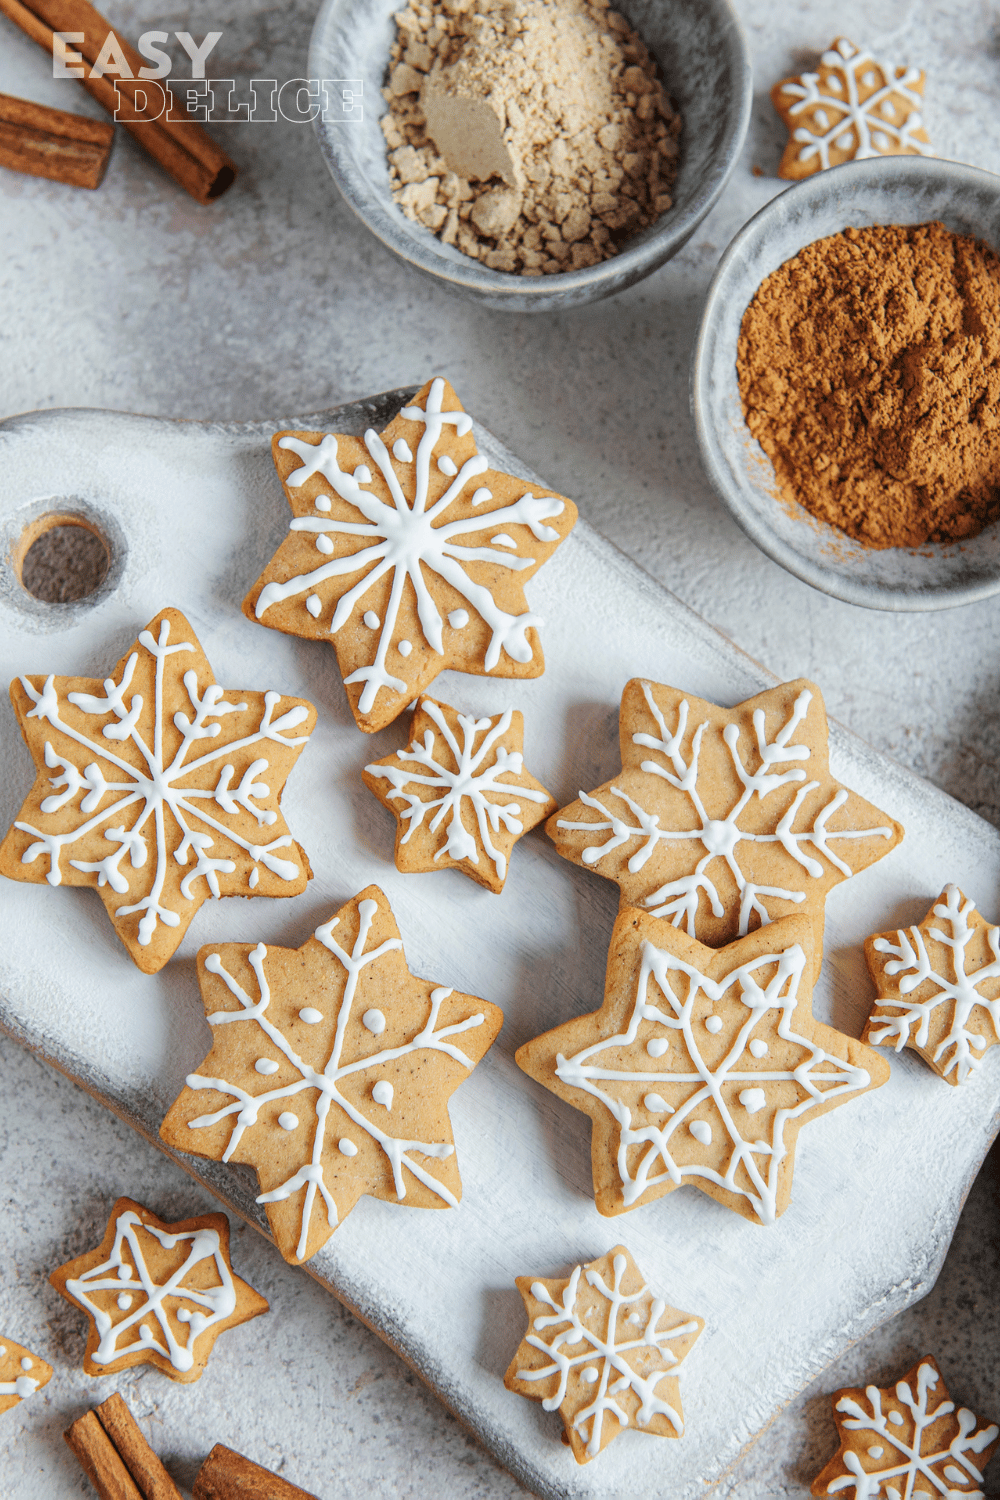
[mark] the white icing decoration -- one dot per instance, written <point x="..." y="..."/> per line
<point x="678" y="899"/>
<point x="847" y="109"/>
<point x="447" y="466"/>
<point x="758" y="1047"/>
<point x="26" y="1363"/>
<point x="253" y="878"/>
<point x="401" y="1153"/>
<point x="310" y="1015"/>
<point x="347" y="1147"/>
<point x="124" y="1301"/>
<point x="616" y="1374"/>
<point x="404" y="538"/>
<point x="480" y="760"/>
<point x="287" y="1120"/>
<point x="401" y="450"/>
<point x="208" y="1304"/>
<point x="753" y="1100"/>
<point x="323" y="502"/>
<point x="458" y="619"/>
<point x="266" y="1065"/>
<point x="404" y="648"/>
<point x="314" y="605"/>
<point x="324" y="545"/>
<point x="876" y="1451"/>
<point x="960" y="989"/>
<point x="503" y="540"/>
<point x="371" y="619"/>
<point x="590" y="1375"/>
<point x="362" y="473"/>
<point x="382" y="1093"/>
<point x="657" y="1045"/>
<point x="819" y="1075"/>
<point x="22" y="1386"/>
<point x="701" y="1131"/>
<point x="657" y="1104"/>
<point x="156" y="790"/>
<point x="482" y="495"/>
<point x="713" y="1024"/>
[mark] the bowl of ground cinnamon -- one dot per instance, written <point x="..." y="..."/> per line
<point x="532" y="154"/>
<point x="846" y="382"/>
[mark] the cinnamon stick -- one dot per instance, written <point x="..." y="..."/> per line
<point x="226" y="1475"/>
<point x="51" y="143"/>
<point x="100" y="1460"/>
<point x="142" y="1463"/>
<point x="180" y="146"/>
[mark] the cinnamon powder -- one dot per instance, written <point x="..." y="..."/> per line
<point x="869" y="367"/>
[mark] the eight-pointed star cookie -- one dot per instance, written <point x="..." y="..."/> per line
<point x="853" y="108"/>
<point x="22" y="1373"/>
<point x="701" y="1065"/>
<point x="409" y="553"/>
<point x="157" y="1293"/>
<point x="938" y="987"/>
<point x="330" y="1073"/>
<point x="461" y="795"/>
<point x="604" y="1351"/>
<point x="723" y="819"/>
<point x="906" y="1441"/>
<point x="158" y="788"/>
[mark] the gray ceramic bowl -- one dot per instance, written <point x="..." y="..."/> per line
<point x="706" y="66"/>
<point x="897" y="190"/>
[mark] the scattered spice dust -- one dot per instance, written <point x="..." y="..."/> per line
<point x="869" y="368"/>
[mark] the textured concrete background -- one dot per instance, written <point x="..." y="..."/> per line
<point x="276" y="301"/>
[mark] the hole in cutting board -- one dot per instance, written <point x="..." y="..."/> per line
<point x="61" y="558"/>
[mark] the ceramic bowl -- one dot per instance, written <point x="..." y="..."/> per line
<point x="894" y="190"/>
<point x="706" y="67"/>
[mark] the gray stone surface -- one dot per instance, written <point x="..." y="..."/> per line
<point x="276" y="300"/>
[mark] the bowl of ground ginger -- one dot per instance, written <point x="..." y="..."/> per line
<point x="532" y="154"/>
<point x="846" y="382"/>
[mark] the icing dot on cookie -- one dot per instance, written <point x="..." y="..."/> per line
<point x="124" y="1301"/>
<point x="347" y="1148"/>
<point x="713" y="1024"/>
<point x="363" y="474"/>
<point x="589" y="1375"/>
<point x="895" y="1419"/>
<point x="657" y="1045"/>
<point x="124" y="1273"/>
<point x="404" y="648"/>
<point x="752" y="1100"/>
<point x="314" y="605"/>
<point x="636" y="1319"/>
<point x="310" y="1015"/>
<point x="266" y="1065"/>
<point x="503" y="540"/>
<point x="382" y="1093"/>
<point x="757" y="1047"/>
<point x="880" y="140"/>
<point x="322" y="502"/>
<point x="374" y="1020"/>
<point x="287" y="1120"/>
<point x="254" y="877"/>
<point x="657" y="1104"/>
<point x="845" y="141"/>
<point x="447" y="465"/>
<point x="26" y="1363"/>
<point x="458" y="619"/>
<point x="482" y="495"/>
<point x="701" y="1131"/>
<point x="875" y="1452"/>
<point x="371" y="619"/>
<point x="401" y="450"/>
<point x="324" y="544"/>
<point x="869" y="79"/>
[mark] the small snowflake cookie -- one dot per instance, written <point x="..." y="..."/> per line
<point x="702" y="1065"/>
<point x="158" y="788"/>
<point x="157" y="1293"/>
<point x="938" y="987"/>
<point x="409" y="554"/>
<point x="461" y="795"/>
<point x="854" y="108"/>
<point x="21" y="1373"/>
<point x="330" y="1073"/>
<point x="604" y="1351"/>
<point x="906" y="1440"/>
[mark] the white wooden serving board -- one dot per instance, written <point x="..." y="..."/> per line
<point x="193" y="511"/>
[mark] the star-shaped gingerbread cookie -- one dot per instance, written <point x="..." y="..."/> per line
<point x="158" y="788"/>
<point x="938" y="987"/>
<point x="723" y="819"/>
<point x="604" y="1351"/>
<point x="409" y="553"/>
<point x="853" y="108"/>
<point x="22" y="1373"/>
<point x="461" y="795"/>
<point x="157" y="1293"/>
<point x="702" y="1065"/>
<point x="330" y="1073"/>
<point x="906" y="1440"/>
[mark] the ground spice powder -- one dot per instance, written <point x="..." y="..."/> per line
<point x="869" y="367"/>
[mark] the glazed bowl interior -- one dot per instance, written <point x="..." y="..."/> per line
<point x="894" y="190"/>
<point x="706" y="68"/>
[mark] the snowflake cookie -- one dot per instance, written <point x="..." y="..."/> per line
<point x="603" y="1351"/>
<point x="701" y="1065"/>
<point x="723" y="819"/>
<point x="330" y="1073"/>
<point x="190" y="776"/>
<point x="460" y="792"/>
<point x="938" y="987"/>
<point x="423" y="554"/>
<point x="21" y="1373"/>
<point x="852" y="109"/>
<point x="157" y="1293"/>
<point x="907" y="1440"/>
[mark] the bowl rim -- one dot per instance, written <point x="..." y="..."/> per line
<point x="566" y="288"/>
<point x="870" y="595"/>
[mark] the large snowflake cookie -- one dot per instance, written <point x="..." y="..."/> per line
<point x="853" y="108"/>
<point x="723" y="819"/>
<point x="22" y="1373"/>
<point x="702" y="1065"/>
<point x="604" y="1351"/>
<point x="461" y="795"/>
<point x="158" y="788"/>
<point x="409" y="553"/>
<point x="330" y="1073"/>
<point x="157" y="1293"/>
<point x="907" y="1440"/>
<point x="938" y="987"/>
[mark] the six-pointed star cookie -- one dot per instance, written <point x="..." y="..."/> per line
<point x="604" y="1351"/>
<point x="22" y="1373"/>
<point x="938" y="987"/>
<point x="157" y="1293"/>
<point x="460" y="792"/>
<point x="158" y="788"/>
<point x="701" y="1065"/>
<point x="853" y="108"/>
<point x="409" y="553"/>
<point x="906" y="1441"/>
<point x="723" y="819"/>
<point x="330" y="1073"/>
